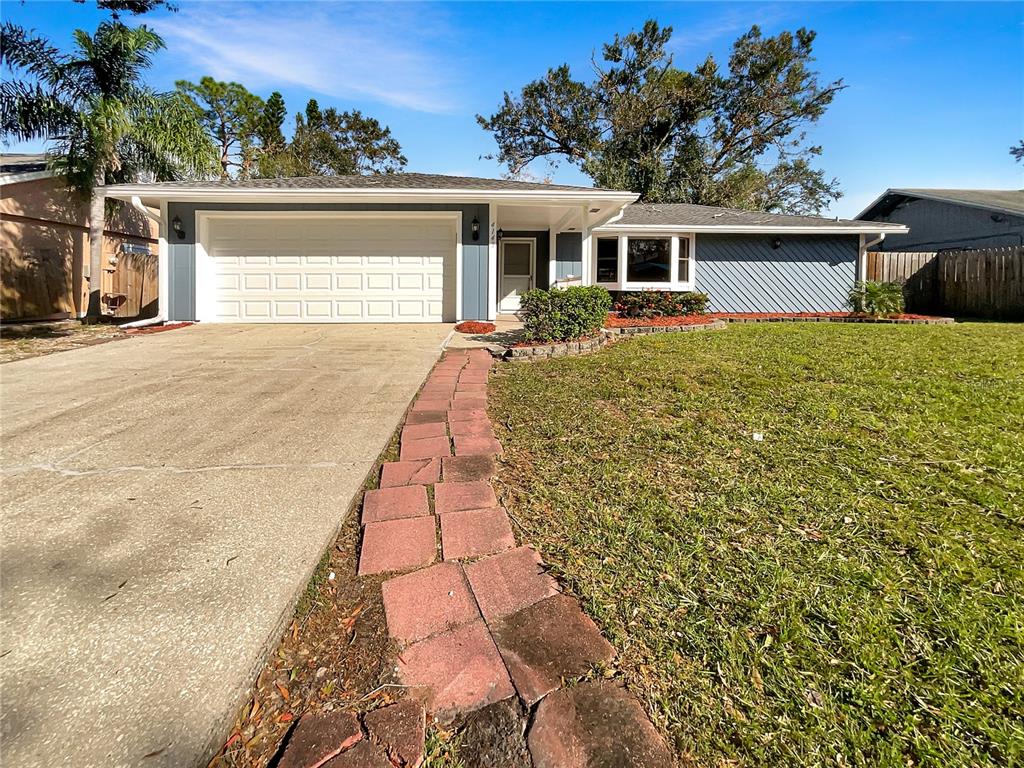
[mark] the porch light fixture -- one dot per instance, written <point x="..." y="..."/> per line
<point x="474" y="228"/>
<point x="777" y="243"/>
<point x="178" y="227"/>
<point x="501" y="233"/>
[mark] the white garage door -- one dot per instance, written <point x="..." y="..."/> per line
<point x="322" y="269"/>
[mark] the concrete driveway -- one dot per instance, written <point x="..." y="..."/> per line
<point x="165" y="500"/>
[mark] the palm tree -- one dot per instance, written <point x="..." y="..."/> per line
<point x="104" y="124"/>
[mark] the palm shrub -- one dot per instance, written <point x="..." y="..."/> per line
<point x="876" y="298"/>
<point x="661" y="303"/>
<point x="563" y="314"/>
<point x="103" y="123"/>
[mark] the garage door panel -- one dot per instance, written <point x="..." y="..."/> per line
<point x="331" y="270"/>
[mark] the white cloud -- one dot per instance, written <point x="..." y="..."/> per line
<point x="738" y="20"/>
<point x="378" y="52"/>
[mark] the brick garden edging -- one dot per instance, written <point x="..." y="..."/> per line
<point x="608" y="336"/>
<point x="485" y="633"/>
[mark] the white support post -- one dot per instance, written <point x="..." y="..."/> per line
<point x="492" y="261"/>
<point x="552" y="256"/>
<point x="623" y="250"/>
<point x="163" y="263"/>
<point x="589" y="267"/>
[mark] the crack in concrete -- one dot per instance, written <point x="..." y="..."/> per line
<point x="66" y="472"/>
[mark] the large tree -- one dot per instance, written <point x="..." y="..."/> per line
<point x="329" y="142"/>
<point x="232" y="117"/>
<point x="104" y="125"/>
<point x="734" y="138"/>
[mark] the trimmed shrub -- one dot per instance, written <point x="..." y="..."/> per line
<point x="564" y="314"/>
<point x="877" y="299"/>
<point x="660" y="303"/>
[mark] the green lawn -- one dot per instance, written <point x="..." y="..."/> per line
<point x="848" y="591"/>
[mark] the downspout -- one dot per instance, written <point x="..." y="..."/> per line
<point x="862" y="275"/>
<point x="137" y="204"/>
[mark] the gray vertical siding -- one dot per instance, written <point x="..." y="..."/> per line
<point x="181" y="282"/>
<point x="935" y="225"/>
<point x="568" y="255"/>
<point x="807" y="273"/>
<point x="471" y="248"/>
<point x="474" y="282"/>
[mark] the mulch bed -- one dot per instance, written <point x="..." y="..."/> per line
<point x="156" y="328"/>
<point x="475" y="326"/>
<point x="617" y="321"/>
<point x="805" y="315"/>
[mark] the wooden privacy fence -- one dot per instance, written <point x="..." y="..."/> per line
<point x="986" y="283"/>
<point x="130" y="288"/>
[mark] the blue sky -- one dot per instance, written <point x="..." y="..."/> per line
<point x="935" y="91"/>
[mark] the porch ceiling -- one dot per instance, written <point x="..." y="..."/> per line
<point x="563" y="218"/>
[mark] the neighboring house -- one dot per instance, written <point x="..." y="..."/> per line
<point x="950" y="219"/>
<point x="44" y="242"/>
<point x="412" y="247"/>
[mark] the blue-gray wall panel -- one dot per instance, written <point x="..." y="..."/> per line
<point x="568" y="255"/>
<point x="807" y="273"/>
<point x="181" y="282"/>
<point x="474" y="282"/>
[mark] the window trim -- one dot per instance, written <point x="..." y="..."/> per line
<point x="674" y="284"/>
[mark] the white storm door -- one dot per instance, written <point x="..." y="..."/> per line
<point x="516" y="273"/>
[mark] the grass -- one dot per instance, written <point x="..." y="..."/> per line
<point x="846" y="591"/>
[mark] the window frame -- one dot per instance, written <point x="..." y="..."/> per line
<point x="674" y="284"/>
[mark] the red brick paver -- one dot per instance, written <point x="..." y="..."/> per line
<point x="462" y="469"/>
<point x="417" y="472"/>
<point x="472" y="428"/>
<point x="475" y="532"/>
<point x="451" y="497"/>
<point x="468" y="414"/>
<point x="471" y="445"/>
<point x="425" y="417"/>
<point x="548" y="642"/>
<point x="320" y="736"/>
<point x="510" y="581"/>
<point x="426" y="448"/>
<point x="394" y="503"/>
<point x="429" y="601"/>
<point x="398" y="545"/>
<point x="457" y="671"/>
<point x="400" y="729"/>
<point x="420" y="431"/>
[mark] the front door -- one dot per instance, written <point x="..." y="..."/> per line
<point x="517" y="259"/>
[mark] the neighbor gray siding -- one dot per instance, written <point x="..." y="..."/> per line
<point x="807" y="273"/>
<point x="568" y="255"/>
<point x="182" y="287"/>
<point x="936" y="225"/>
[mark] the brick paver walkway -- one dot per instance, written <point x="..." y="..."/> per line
<point x="477" y="619"/>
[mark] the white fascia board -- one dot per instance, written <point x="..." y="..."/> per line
<point x="15" y="178"/>
<point x="127" y="191"/>
<point x="752" y="229"/>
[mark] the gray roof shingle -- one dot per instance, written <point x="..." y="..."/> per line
<point x="688" y="215"/>
<point x="17" y="164"/>
<point x="424" y="181"/>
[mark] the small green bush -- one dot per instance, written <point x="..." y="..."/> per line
<point x="660" y="303"/>
<point x="564" y="314"/>
<point x="877" y="299"/>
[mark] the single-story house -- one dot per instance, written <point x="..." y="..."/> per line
<point x="412" y="247"/>
<point x="950" y="219"/>
<point x="44" y="246"/>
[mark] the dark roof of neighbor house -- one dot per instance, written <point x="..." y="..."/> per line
<point x="1009" y="201"/>
<point x="17" y="164"/>
<point x="424" y="181"/>
<point x="689" y="215"/>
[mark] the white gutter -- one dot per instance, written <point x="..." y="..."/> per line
<point x="201" y="194"/>
<point x="755" y="229"/>
<point x="16" y="178"/>
<point x="137" y="203"/>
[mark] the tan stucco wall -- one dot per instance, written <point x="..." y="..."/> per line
<point x="44" y="246"/>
